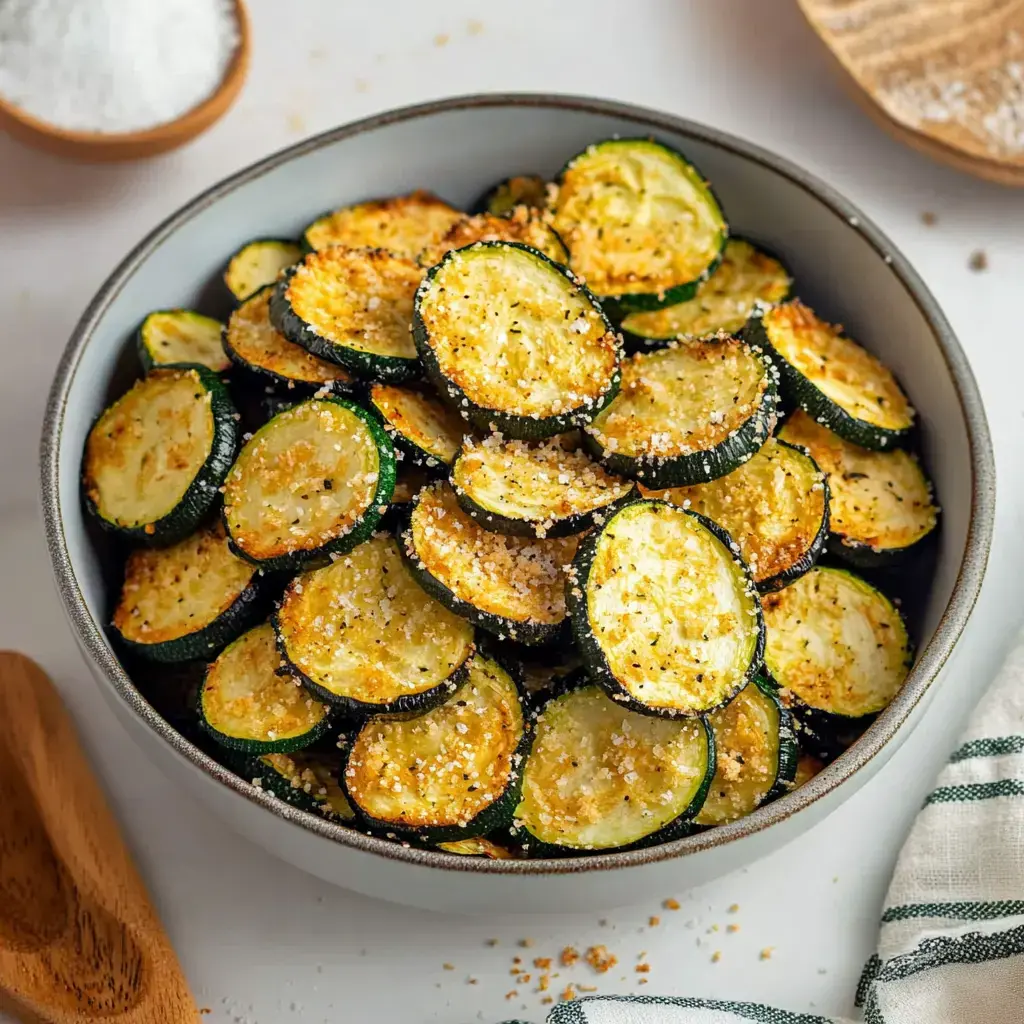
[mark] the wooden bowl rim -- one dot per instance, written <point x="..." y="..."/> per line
<point x="186" y="126"/>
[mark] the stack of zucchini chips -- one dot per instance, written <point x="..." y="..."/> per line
<point x="514" y="564"/>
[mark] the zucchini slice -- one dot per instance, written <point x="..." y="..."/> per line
<point x="520" y="225"/>
<point x="404" y="225"/>
<point x="408" y="483"/>
<point x="189" y="600"/>
<point x="258" y="264"/>
<point x="835" y="644"/>
<point x="600" y="777"/>
<point x="155" y="458"/>
<point x="450" y="774"/>
<point x="831" y="377"/>
<point x="478" y="847"/>
<point x="253" y="344"/>
<point x="642" y="225"/>
<point x="351" y="307"/>
<point x="534" y="488"/>
<point x="363" y="636"/>
<point x="515" y="341"/>
<point x="248" y="701"/>
<point x="427" y="432"/>
<point x="510" y="586"/>
<point x="664" y="612"/>
<point x="756" y="755"/>
<point x="880" y="503"/>
<point x="171" y="336"/>
<point x="309" y="780"/>
<point x="807" y="767"/>
<point x="314" y="481"/>
<point x="723" y="303"/>
<point x="685" y="414"/>
<point x="775" y="506"/>
<point x="521" y="190"/>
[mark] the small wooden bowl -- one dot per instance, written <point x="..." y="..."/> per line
<point x="103" y="147"/>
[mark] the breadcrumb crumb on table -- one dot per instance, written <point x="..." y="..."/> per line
<point x="654" y="921"/>
<point x="716" y="956"/>
<point x="671" y="904"/>
<point x="568" y="993"/>
<point x="766" y="953"/>
<point x="978" y="261"/>
<point x="568" y="956"/>
<point x="600" y="959"/>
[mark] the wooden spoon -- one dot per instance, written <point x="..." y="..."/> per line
<point x="943" y="76"/>
<point x="79" y="940"/>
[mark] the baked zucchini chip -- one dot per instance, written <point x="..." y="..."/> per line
<point x="352" y="307"/>
<point x="155" y="458"/>
<point x="520" y="225"/>
<point x="835" y="644"/>
<point x="514" y="341"/>
<point x="187" y="601"/>
<point x="881" y="503"/>
<point x="249" y="703"/>
<point x="363" y="636"/>
<point x="256" y="347"/>
<point x="664" y="612"/>
<point x="521" y="190"/>
<point x="540" y="489"/>
<point x="642" y="226"/>
<point x="829" y="376"/>
<point x="756" y="751"/>
<point x="425" y="430"/>
<point x="171" y="336"/>
<point x="453" y="773"/>
<point x="312" y="482"/>
<point x="258" y="263"/>
<point x="510" y="586"/>
<point x="403" y="225"/>
<point x="308" y="779"/>
<point x="685" y="414"/>
<point x="600" y="777"/>
<point x="775" y="506"/>
<point x="723" y="303"/>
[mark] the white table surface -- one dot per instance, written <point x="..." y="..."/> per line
<point x="264" y="943"/>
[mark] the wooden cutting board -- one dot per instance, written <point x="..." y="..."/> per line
<point x="79" y="940"/>
<point x="944" y="76"/>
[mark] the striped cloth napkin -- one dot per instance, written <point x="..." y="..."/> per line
<point x="951" y="949"/>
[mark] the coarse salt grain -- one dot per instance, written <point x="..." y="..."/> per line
<point x="113" y="65"/>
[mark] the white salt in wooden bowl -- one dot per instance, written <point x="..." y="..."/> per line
<point x="102" y="147"/>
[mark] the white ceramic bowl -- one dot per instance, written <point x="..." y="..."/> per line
<point x="843" y="264"/>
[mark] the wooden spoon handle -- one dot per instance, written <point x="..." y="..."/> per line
<point x="79" y="939"/>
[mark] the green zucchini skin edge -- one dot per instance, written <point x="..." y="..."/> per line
<point x="789" y="751"/>
<point x="643" y="343"/>
<point x="237" y="300"/>
<point x="202" y="493"/>
<point x="619" y="306"/>
<point x="781" y="580"/>
<point x="259" y="376"/>
<point x="594" y="658"/>
<point x="659" y="472"/>
<point x="496" y="815"/>
<point x="532" y="634"/>
<point x="247" y="610"/>
<point x="368" y="365"/>
<point x="523" y="428"/>
<point x="863" y="556"/>
<point x="676" y="829"/>
<point x="494" y="522"/>
<point x="252" y="767"/>
<point x="297" y="561"/>
<point x="799" y="391"/>
<point x="257" y="747"/>
<point x="408" y="704"/>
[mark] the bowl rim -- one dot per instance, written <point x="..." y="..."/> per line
<point x="931" y="658"/>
